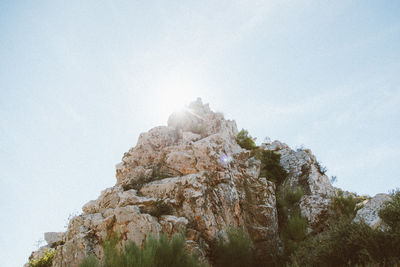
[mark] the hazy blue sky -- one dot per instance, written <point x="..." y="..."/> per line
<point x="80" y="80"/>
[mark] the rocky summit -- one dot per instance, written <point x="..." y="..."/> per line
<point x="192" y="176"/>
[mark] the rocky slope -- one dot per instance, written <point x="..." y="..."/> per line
<point x="192" y="176"/>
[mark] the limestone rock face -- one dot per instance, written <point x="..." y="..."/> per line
<point x="196" y="170"/>
<point x="192" y="177"/>
<point x="369" y="213"/>
<point x="304" y="172"/>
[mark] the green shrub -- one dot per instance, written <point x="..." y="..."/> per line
<point x="296" y="228"/>
<point x="390" y="213"/>
<point x="350" y="244"/>
<point x="292" y="197"/>
<point x="343" y="242"/>
<point x="237" y="251"/>
<point x="292" y="232"/>
<point x="270" y="165"/>
<point x="342" y="206"/>
<point x="90" y="261"/>
<point x="156" y="253"/>
<point x="292" y="225"/>
<point x="245" y="141"/>
<point x="112" y="255"/>
<point x="270" y="160"/>
<point x="45" y="261"/>
<point x="287" y="203"/>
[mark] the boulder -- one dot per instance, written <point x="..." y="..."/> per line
<point x="370" y="212"/>
<point x="53" y="238"/>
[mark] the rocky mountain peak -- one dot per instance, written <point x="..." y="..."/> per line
<point x="194" y="140"/>
<point x="192" y="177"/>
<point x="198" y="118"/>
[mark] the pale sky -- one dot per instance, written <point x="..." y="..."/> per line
<point x="80" y="80"/>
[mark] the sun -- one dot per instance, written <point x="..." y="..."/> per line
<point x="174" y="94"/>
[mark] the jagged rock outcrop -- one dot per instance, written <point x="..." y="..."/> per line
<point x="191" y="176"/>
<point x="369" y="212"/>
<point x="195" y="169"/>
<point x="304" y="171"/>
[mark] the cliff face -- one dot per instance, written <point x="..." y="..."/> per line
<point x="192" y="176"/>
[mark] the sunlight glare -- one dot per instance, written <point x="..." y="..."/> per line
<point x="173" y="95"/>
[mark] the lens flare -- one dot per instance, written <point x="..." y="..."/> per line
<point x="225" y="159"/>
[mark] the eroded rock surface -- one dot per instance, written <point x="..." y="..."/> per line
<point x="192" y="177"/>
<point x="305" y="172"/>
<point x="370" y="212"/>
<point x="195" y="168"/>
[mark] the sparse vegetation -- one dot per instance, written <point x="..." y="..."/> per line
<point x="338" y="241"/>
<point x="292" y="225"/>
<point x="45" y="261"/>
<point x="343" y="242"/>
<point x="156" y="253"/>
<point x="90" y="261"/>
<point x="236" y="251"/>
<point x="287" y="202"/>
<point x="270" y="160"/>
<point x="344" y="206"/>
<point x="270" y="165"/>
<point x="245" y="141"/>
<point x="390" y="213"/>
<point x="292" y="197"/>
<point x="350" y="244"/>
<point x="296" y="228"/>
<point x="346" y="243"/>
